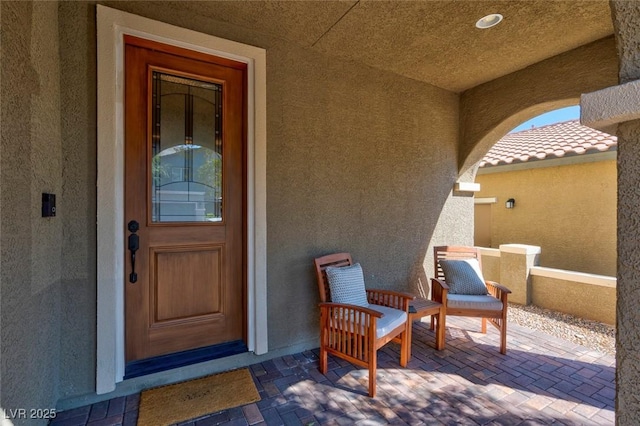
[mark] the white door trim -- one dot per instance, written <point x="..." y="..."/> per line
<point x="112" y="25"/>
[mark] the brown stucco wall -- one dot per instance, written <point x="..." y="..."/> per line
<point x="30" y="163"/>
<point x="350" y="155"/>
<point x="491" y="110"/>
<point x="626" y="19"/>
<point x="358" y="159"/>
<point x="628" y="338"/>
<point x="78" y="117"/>
<point x="569" y="211"/>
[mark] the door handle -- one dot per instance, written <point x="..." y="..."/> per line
<point x="134" y="245"/>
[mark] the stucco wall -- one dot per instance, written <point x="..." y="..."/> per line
<point x="358" y="160"/>
<point x="349" y="171"/>
<point x="628" y="338"/>
<point x="78" y="117"/>
<point x="595" y="302"/>
<point x="580" y="294"/>
<point x="30" y="163"/>
<point x="350" y="166"/>
<point x="568" y="211"/>
<point x="491" y="264"/>
<point x="454" y="227"/>
<point x="626" y="19"/>
<point x="490" y="110"/>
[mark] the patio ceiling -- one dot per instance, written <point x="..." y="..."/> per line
<point x="431" y="41"/>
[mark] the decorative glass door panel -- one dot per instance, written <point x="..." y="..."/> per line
<point x="186" y="149"/>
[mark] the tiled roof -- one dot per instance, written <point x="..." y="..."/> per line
<point x="547" y="142"/>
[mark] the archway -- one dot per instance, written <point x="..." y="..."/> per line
<point x="561" y="179"/>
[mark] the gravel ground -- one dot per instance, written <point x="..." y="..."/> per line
<point x="591" y="334"/>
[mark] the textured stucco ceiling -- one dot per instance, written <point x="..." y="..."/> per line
<point x="431" y="41"/>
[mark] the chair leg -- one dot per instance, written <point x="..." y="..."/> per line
<point x="373" y="362"/>
<point x="484" y="325"/>
<point x="440" y="330"/>
<point x="432" y="322"/>
<point x="503" y="338"/>
<point x="323" y="360"/>
<point x="405" y="345"/>
<point x="409" y="336"/>
<point x="324" y="313"/>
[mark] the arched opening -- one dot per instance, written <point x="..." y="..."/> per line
<point x="549" y="185"/>
<point x="504" y="127"/>
<point x="551" y="182"/>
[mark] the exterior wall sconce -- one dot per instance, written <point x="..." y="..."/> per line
<point x="511" y="203"/>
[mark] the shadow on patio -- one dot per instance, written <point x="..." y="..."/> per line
<point x="541" y="380"/>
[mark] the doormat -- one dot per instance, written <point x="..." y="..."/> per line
<point x="171" y="404"/>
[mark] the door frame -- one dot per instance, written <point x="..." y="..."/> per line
<point x="112" y="25"/>
<point x="483" y="202"/>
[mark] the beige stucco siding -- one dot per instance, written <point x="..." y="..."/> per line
<point x="491" y="267"/>
<point x="568" y="211"/>
<point x="580" y="299"/>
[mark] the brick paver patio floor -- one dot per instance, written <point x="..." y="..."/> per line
<point x="541" y="381"/>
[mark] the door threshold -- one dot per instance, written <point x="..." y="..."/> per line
<point x="160" y="363"/>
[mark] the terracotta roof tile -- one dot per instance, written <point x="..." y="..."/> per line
<point x="548" y="142"/>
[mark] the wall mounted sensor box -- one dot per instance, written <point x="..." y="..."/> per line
<point x="48" y="205"/>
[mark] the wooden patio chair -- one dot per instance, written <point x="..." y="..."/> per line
<point x="355" y="332"/>
<point x="462" y="295"/>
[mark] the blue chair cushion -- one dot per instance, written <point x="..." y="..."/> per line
<point x="463" y="301"/>
<point x="392" y="318"/>
<point x="346" y="285"/>
<point x="463" y="276"/>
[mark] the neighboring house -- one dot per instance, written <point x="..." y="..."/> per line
<point x="347" y="126"/>
<point x="186" y="184"/>
<point x="563" y="180"/>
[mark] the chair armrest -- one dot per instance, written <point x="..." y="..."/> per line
<point x="497" y="290"/>
<point x="343" y="321"/>
<point x="439" y="290"/>
<point x="390" y="298"/>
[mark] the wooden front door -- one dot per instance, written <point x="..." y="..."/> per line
<point x="185" y="202"/>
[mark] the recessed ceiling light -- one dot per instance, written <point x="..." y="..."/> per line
<point x="489" y="21"/>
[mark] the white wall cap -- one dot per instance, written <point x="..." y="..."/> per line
<point x="607" y="107"/>
<point x="486" y="200"/>
<point x="467" y="187"/>
<point x="520" y="249"/>
<point x="580" y="277"/>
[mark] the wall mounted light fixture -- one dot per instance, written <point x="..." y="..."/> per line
<point x="511" y="203"/>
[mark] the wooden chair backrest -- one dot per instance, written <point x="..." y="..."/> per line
<point x="336" y="259"/>
<point x="453" y="253"/>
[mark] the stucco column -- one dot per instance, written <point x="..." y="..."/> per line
<point x="516" y="261"/>
<point x="621" y="105"/>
